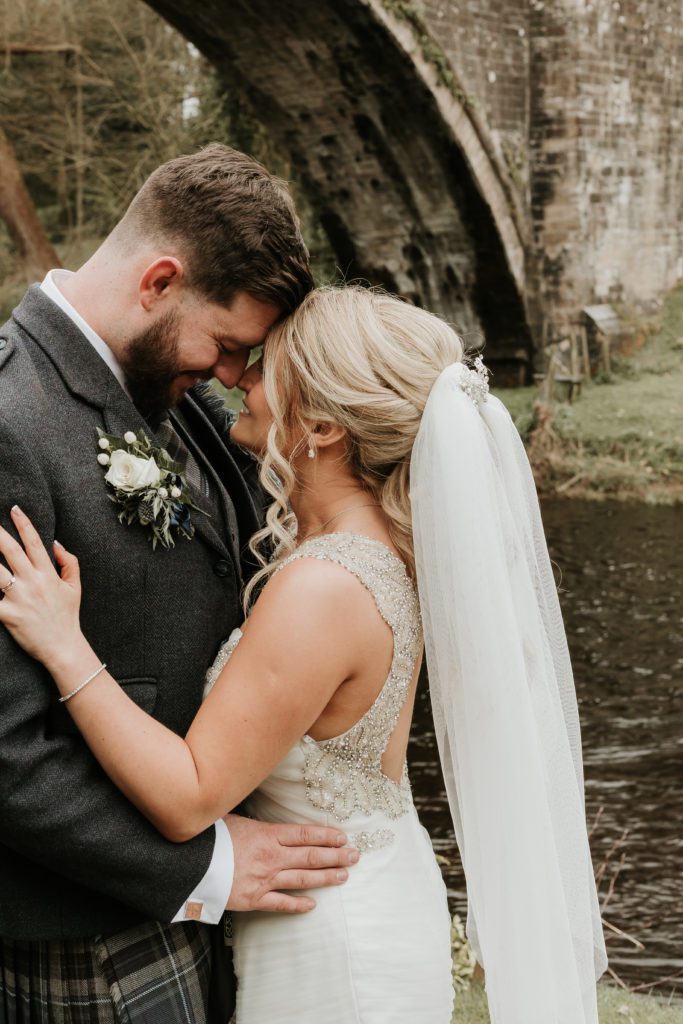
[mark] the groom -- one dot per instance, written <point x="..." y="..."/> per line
<point x="101" y="919"/>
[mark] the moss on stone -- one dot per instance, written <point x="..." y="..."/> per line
<point x="515" y="157"/>
<point x="410" y="12"/>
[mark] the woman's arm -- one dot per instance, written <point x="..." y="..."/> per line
<point x="299" y="646"/>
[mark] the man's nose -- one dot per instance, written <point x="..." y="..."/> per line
<point x="230" y="368"/>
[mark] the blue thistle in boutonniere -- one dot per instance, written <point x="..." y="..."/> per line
<point x="148" y="487"/>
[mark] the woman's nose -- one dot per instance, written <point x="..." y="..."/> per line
<point x="249" y="378"/>
<point x="244" y="383"/>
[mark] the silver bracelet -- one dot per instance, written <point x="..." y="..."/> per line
<point x="73" y="693"/>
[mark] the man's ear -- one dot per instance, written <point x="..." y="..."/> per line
<point x="160" y="280"/>
<point x="326" y="434"/>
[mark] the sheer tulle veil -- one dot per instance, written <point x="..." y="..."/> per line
<point x="504" y="708"/>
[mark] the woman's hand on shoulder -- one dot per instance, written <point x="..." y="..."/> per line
<point x="41" y="608"/>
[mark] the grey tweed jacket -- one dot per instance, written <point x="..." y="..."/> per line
<point x="76" y="858"/>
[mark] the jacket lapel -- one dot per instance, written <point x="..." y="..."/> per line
<point x="214" y="454"/>
<point x="84" y="372"/>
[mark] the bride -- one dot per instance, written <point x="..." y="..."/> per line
<point x="402" y="508"/>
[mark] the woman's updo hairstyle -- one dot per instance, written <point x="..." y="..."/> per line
<point x="365" y="361"/>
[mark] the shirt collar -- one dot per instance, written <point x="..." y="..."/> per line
<point x="50" y="286"/>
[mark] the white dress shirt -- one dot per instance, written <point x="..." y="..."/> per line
<point x="207" y="901"/>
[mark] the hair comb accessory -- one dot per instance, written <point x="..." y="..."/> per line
<point x="474" y="381"/>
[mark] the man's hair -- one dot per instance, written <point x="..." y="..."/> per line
<point x="233" y="222"/>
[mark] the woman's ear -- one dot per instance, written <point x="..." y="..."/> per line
<point x="326" y="434"/>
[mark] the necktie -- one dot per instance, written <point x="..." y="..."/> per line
<point x="169" y="438"/>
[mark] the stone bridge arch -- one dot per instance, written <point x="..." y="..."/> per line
<point x="395" y="157"/>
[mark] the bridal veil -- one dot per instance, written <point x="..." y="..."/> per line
<point x="504" y="708"/>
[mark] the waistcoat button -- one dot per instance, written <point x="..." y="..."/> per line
<point x="222" y="568"/>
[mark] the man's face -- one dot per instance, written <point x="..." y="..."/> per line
<point x="195" y="341"/>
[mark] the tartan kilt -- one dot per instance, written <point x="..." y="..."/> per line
<point x="149" y="974"/>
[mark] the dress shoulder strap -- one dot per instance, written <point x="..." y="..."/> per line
<point x="344" y="773"/>
<point x="380" y="571"/>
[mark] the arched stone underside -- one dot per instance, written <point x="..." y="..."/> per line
<point x="400" y="174"/>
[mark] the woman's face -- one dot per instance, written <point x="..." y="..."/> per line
<point x="250" y="429"/>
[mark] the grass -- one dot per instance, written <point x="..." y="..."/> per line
<point x="623" y="437"/>
<point x="520" y="404"/>
<point x="615" y="1007"/>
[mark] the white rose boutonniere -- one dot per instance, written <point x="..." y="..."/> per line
<point x="131" y="473"/>
<point x="147" y="485"/>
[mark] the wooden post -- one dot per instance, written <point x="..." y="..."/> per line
<point x="574" y="338"/>
<point x="586" y="356"/>
<point x="548" y="388"/>
<point x="604" y="342"/>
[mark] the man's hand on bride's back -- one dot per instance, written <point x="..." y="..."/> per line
<point x="273" y="858"/>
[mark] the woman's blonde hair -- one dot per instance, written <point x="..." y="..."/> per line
<point x="363" y="360"/>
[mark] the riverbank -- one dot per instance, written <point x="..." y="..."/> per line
<point x="615" y="1007"/>
<point x="622" y="438"/>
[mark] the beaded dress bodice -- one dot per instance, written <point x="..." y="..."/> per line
<point x="343" y="775"/>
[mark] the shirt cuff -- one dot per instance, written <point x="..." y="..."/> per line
<point x="209" y="898"/>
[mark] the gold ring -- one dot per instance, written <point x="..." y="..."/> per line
<point x="12" y="581"/>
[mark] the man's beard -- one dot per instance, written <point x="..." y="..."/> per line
<point x="150" y="363"/>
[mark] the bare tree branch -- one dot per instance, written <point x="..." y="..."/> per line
<point x="17" y="210"/>
<point x="19" y="48"/>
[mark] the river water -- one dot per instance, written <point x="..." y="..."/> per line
<point x="622" y="597"/>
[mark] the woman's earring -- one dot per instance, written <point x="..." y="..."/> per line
<point x="311" y="452"/>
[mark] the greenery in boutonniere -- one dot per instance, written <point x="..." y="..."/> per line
<point x="148" y="487"/>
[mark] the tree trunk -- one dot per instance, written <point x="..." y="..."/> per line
<point x="17" y="210"/>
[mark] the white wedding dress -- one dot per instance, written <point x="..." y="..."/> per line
<point x="375" y="950"/>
